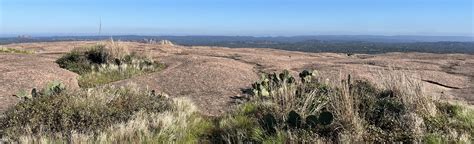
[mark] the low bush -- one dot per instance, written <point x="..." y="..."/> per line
<point x="56" y="110"/>
<point x="75" y="61"/>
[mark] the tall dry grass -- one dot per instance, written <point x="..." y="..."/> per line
<point x="421" y="112"/>
<point x="178" y="125"/>
<point x="116" y="49"/>
<point x="410" y="91"/>
<point x="344" y="106"/>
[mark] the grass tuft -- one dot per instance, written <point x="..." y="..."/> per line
<point x="17" y="51"/>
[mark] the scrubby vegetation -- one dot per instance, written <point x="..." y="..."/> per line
<point x="12" y="50"/>
<point x="105" y="63"/>
<point x="281" y="109"/>
<point x="101" y="115"/>
<point x="284" y="110"/>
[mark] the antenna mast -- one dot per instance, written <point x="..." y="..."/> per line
<point x="100" y="25"/>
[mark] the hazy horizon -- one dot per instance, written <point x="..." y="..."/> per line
<point x="237" y="18"/>
<point x="38" y="35"/>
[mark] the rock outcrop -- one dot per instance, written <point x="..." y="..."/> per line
<point x="214" y="76"/>
<point x="23" y="72"/>
<point x="165" y="43"/>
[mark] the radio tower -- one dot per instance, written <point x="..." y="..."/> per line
<point x="100" y="25"/>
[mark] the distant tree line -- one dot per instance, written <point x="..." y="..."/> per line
<point x="354" y="46"/>
<point x="304" y="44"/>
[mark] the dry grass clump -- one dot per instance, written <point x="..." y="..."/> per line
<point x="346" y="113"/>
<point x="398" y="110"/>
<point x="105" y="63"/>
<point x="116" y="50"/>
<point x="410" y="91"/>
<point x="305" y="97"/>
<point x="17" y="51"/>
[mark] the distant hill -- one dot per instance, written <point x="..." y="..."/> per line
<point x="322" y="43"/>
<point x="197" y="38"/>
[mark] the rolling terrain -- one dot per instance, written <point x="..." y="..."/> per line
<point x="215" y="77"/>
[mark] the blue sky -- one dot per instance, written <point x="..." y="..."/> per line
<point x="238" y="17"/>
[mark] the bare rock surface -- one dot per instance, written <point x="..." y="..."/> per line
<point x="213" y="76"/>
<point x="23" y="72"/>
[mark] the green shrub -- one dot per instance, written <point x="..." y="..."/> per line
<point x="452" y="118"/>
<point x="75" y="61"/>
<point x="84" y="111"/>
<point x="383" y="112"/>
<point x="98" y="55"/>
<point x="241" y="125"/>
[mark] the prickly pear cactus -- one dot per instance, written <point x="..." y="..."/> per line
<point x="34" y="93"/>
<point x="264" y="92"/>
<point x="294" y="120"/>
<point x="260" y="89"/>
<point x="326" y="118"/>
<point x="54" y="88"/>
<point x="307" y="75"/>
<point x="285" y="75"/>
<point x="24" y="95"/>
<point x="269" y="84"/>
<point x="269" y="123"/>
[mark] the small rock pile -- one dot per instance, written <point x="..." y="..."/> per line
<point x="165" y="42"/>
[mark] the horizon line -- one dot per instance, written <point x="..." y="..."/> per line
<point x="223" y="35"/>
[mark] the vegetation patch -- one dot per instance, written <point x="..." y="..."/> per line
<point x="281" y="109"/>
<point x="101" y="115"/>
<point x="286" y="110"/>
<point x="102" y="64"/>
<point x="17" y="51"/>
